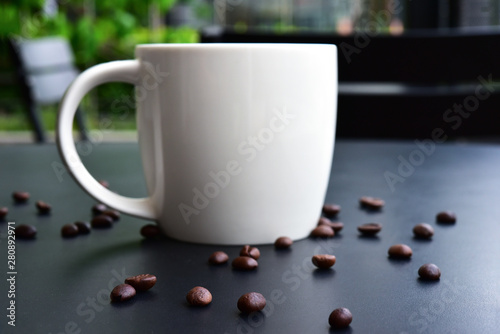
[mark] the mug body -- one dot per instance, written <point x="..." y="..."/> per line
<point x="237" y="139"/>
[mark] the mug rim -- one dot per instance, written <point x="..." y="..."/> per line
<point x="239" y="46"/>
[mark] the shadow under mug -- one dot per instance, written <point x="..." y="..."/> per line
<point x="236" y="140"/>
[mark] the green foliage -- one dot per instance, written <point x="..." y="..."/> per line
<point x="110" y="32"/>
<point x="98" y="30"/>
<point x="9" y="18"/>
<point x="84" y="41"/>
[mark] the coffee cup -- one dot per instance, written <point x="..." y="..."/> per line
<point x="236" y="140"/>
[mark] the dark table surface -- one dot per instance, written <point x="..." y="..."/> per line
<point x="62" y="286"/>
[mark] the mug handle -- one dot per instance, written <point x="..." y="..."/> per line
<point x="123" y="71"/>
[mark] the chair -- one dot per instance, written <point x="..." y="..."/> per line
<point x="45" y="69"/>
<point x="407" y="86"/>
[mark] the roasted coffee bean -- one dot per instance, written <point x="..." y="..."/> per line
<point x="336" y="226"/>
<point x="115" y="215"/>
<point x="324" y="221"/>
<point x="3" y="212"/>
<point x="141" y="282"/>
<point x="429" y="272"/>
<point x="25" y="231"/>
<point x="253" y="252"/>
<point x="400" y="251"/>
<point x="43" y="208"/>
<point x="283" y="243"/>
<point x="446" y="217"/>
<point x="340" y="318"/>
<point x="218" y="257"/>
<point x="122" y="293"/>
<point x="69" y="231"/>
<point x="245" y="263"/>
<point x="98" y="209"/>
<point x="83" y="227"/>
<point x="20" y="196"/>
<point x="331" y="210"/>
<point x="322" y="231"/>
<point x="104" y="183"/>
<point x="323" y="261"/>
<point x="251" y="302"/>
<point x="370" y="229"/>
<point x="371" y="203"/>
<point x="150" y="231"/>
<point x="423" y="231"/>
<point x="199" y="296"/>
<point x="102" y="221"/>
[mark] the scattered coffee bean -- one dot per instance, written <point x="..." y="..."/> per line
<point x="251" y="302"/>
<point x="371" y="203"/>
<point x="429" y="272"/>
<point x="336" y="226"/>
<point x="322" y="231"/>
<point x="199" y="296"/>
<point x="43" y="208"/>
<point x="423" y="231"/>
<point x="446" y="217"/>
<point x="83" y="227"/>
<point x="400" y="251"/>
<point x="104" y="183"/>
<point x="253" y="252"/>
<point x="3" y="212"/>
<point x="218" y="257"/>
<point x="331" y="210"/>
<point x="244" y="263"/>
<point x="150" y="231"/>
<point x="323" y="261"/>
<point x="122" y="292"/>
<point x="324" y="221"/>
<point x="283" y="243"/>
<point x="69" y="231"/>
<point x="20" y="196"/>
<point x="115" y="215"/>
<point x="370" y="229"/>
<point x="340" y="318"/>
<point x="102" y="221"/>
<point x="98" y="209"/>
<point x="25" y="231"/>
<point x="141" y="282"/>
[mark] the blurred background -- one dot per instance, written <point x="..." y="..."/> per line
<point x="106" y="30"/>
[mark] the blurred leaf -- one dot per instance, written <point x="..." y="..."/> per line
<point x="84" y="41"/>
<point x="10" y="20"/>
<point x="32" y="4"/>
<point x="111" y="5"/>
<point x="181" y="35"/>
<point x="57" y="25"/>
<point x="125" y="23"/>
<point x="164" y="5"/>
<point x="105" y="29"/>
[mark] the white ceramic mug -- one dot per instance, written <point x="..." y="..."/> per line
<point x="236" y="140"/>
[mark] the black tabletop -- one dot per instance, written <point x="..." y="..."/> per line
<point x="63" y="285"/>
